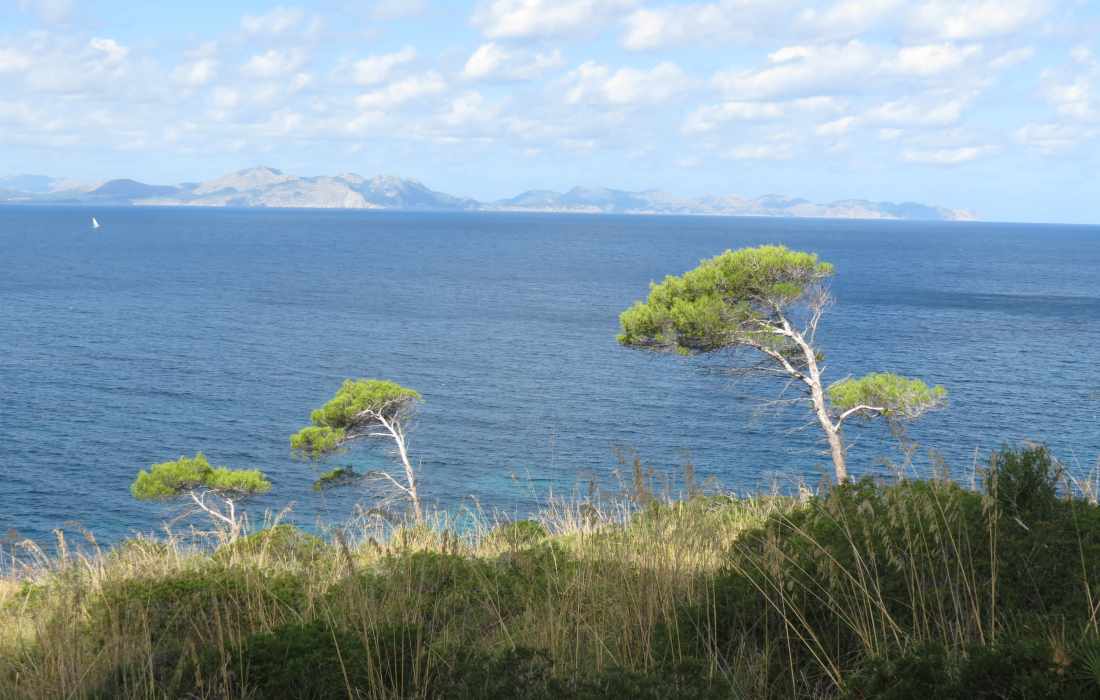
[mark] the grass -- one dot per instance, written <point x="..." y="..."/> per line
<point x="869" y="590"/>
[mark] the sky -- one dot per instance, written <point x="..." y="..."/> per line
<point x="986" y="105"/>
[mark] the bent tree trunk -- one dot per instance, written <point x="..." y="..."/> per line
<point x="817" y="398"/>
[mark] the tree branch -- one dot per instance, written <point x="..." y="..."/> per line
<point x="858" y="409"/>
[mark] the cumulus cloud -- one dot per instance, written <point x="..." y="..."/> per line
<point x="397" y="9"/>
<point x="595" y="83"/>
<point x="196" y="73"/>
<point x="499" y="19"/>
<point x="917" y="112"/>
<point x="492" y="61"/>
<point x="113" y="53"/>
<point x="836" y="127"/>
<point x="975" y="19"/>
<point x="50" y="11"/>
<point x="400" y="92"/>
<point x="707" y="119"/>
<point x="946" y="156"/>
<point x="13" y="60"/>
<point x="853" y="66"/>
<point x="933" y="59"/>
<point x="762" y="151"/>
<point x="1053" y="138"/>
<point x="1012" y="57"/>
<point x="280" y="21"/>
<point x="657" y="27"/>
<point x="848" y="17"/>
<point x="274" y="63"/>
<point x="377" y="69"/>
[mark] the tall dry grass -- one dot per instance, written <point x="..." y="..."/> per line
<point x="720" y="596"/>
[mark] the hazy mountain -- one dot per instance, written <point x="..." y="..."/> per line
<point x="605" y="201"/>
<point x="28" y="184"/>
<point x="268" y="187"/>
<point x="129" y="190"/>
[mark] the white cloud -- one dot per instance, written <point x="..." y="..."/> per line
<point x="973" y="19"/>
<point x="279" y="21"/>
<point x="917" y="111"/>
<point x="398" y="93"/>
<point x="274" y="63"/>
<point x="226" y="98"/>
<point x="933" y="59"/>
<point x="850" y="67"/>
<point x="113" y="52"/>
<point x="804" y="70"/>
<point x="500" y="19"/>
<point x="1074" y="99"/>
<point x="468" y="110"/>
<point x="377" y="69"/>
<point x="762" y="151"/>
<point x="596" y="83"/>
<point x="397" y="9"/>
<point x="1083" y="55"/>
<point x="837" y="127"/>
<point x="946" y="156"/>
<point x="492" y="61"/>
<point x="1054" y="138"/>
<point x="848" y="17"/>
<point x="196" y="73"/>
<point x="50" y="11"/>
<point x="1012" y="57"/>
<point x="13" y="60"/>
<point x="653" y="28"/>
<point x="707" y="119"/>
<point x="1074" y="94"/>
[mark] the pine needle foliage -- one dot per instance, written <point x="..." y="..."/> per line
<point x="171" y="479"/>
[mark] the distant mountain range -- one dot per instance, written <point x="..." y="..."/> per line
<point x="268" y="187"/>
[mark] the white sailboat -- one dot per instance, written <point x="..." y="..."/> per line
<point x="95" y="224"/>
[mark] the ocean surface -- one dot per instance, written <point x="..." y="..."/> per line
<point x="170" y="331"/>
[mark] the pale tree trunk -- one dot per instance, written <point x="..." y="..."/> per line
<point x="397" y="432"/>
<point x="817" y="397"/>
<point x="229" y="518"/>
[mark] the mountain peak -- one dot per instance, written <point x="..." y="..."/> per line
<point x="264" y="186"/>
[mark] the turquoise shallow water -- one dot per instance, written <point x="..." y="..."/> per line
<point x="172" y="330"/>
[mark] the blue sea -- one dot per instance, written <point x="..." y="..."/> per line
<point x="170" y="331"/>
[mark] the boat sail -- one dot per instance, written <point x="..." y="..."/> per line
<point x="95" y="224"/>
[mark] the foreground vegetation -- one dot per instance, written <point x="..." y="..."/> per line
<point x="867" y="590"/>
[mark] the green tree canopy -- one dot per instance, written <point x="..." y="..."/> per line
<point x="176" y="478"/>
<point x="358" y="406"/>
<point x="364" y="408"/>
<point x="726" y="301"/>
<point x="771" y="299"/>
<point x="889" y="395"/>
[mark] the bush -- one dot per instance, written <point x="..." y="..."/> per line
<point x="517" y="534"/>
<point x="280" y="543"/>
<point x="1011" y="669"/>
<point x="1024" y="482"/>
<point x="188" y="607"/>
<point x="316" y="661"/>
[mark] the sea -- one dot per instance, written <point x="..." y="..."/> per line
<point x="170" y="331"/>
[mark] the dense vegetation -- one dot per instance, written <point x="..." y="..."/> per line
<point x="865" y="590"/>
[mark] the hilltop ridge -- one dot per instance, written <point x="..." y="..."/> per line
<point x="264" y="186"/>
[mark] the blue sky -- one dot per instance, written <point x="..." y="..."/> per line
<point x="988" y="105"/>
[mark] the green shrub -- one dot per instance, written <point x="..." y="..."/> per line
<point x="316" y="661"/>
<point x="517" y="534"/>
<point x="1013" y="669"/>
<point x="340" y="476"/>
<point x="1024" y="482"/>
<point x="188" y="607"/>
<point x="280" y="543"/>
